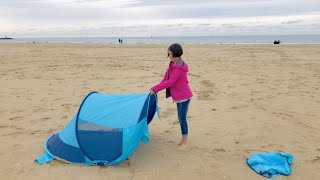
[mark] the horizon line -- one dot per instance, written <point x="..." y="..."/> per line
<point x="163" y="36"/>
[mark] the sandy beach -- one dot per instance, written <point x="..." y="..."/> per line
<point x="247" y="99"/>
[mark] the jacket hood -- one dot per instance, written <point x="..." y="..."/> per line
<point x="180" y="64"/>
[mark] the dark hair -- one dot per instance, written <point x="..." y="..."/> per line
<point x="176" y="50"/>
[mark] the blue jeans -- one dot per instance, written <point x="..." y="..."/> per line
<point x="182" y="116"/>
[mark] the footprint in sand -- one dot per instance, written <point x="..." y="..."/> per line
<point x="283" y="115"/>
<point x="207" y="83"/>
<point x="219" y="150"/>
<point x="206" y="90"/>
<point x="67" y="106"/>
<point x="168" y="112"/>
<point x="36" y="132"/>
<point x="194" y="75"/>
<point x="258" y="105"/>
<point x="46" y="118"/>
<point x="275" y="145"/>
<point x="315" y="159"/>
<point x="19" y="118"/>
<point x="2" y="127"/>
<point x="37" y="109"/>
<point x="16" y="146"/>
<point x="126" y="163"/>
<point x="239" y="107"/>
<point x="205" y="95"/>
<point x="175" y="122"/>
<point x="166" y="132"/>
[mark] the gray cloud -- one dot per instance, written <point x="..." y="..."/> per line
<point x="140" y="17"/>
<point x="292" y="22"/>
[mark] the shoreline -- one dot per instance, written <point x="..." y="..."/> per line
<point x="240" y="39"/>
<point x="159" y="44"/>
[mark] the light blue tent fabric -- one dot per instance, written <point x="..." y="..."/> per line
<point x="271" y="164"/>
<point x="106" y="130"/>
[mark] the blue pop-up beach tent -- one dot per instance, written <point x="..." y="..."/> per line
<point x="105" y="131"/>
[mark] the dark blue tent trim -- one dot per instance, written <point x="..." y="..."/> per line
<point x="149" y="108"/>
<point x="152" y="107"/>
<point x="64" y="151"/>
<point x="76" y="126"/>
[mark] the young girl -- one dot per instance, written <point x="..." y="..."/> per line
<point x="175" y="82"/>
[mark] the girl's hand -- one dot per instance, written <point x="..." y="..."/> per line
<point x="152" y="92"/>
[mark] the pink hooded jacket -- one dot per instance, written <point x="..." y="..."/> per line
<point x="176" y="81"/>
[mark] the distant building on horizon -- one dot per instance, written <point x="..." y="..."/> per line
<point x="6" y="37"/>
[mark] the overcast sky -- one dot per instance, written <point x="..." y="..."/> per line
<point x="113" y="18"/>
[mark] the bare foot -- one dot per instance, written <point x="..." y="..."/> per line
<point x="182" y="147"/>
<point x="184" y="140"/>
